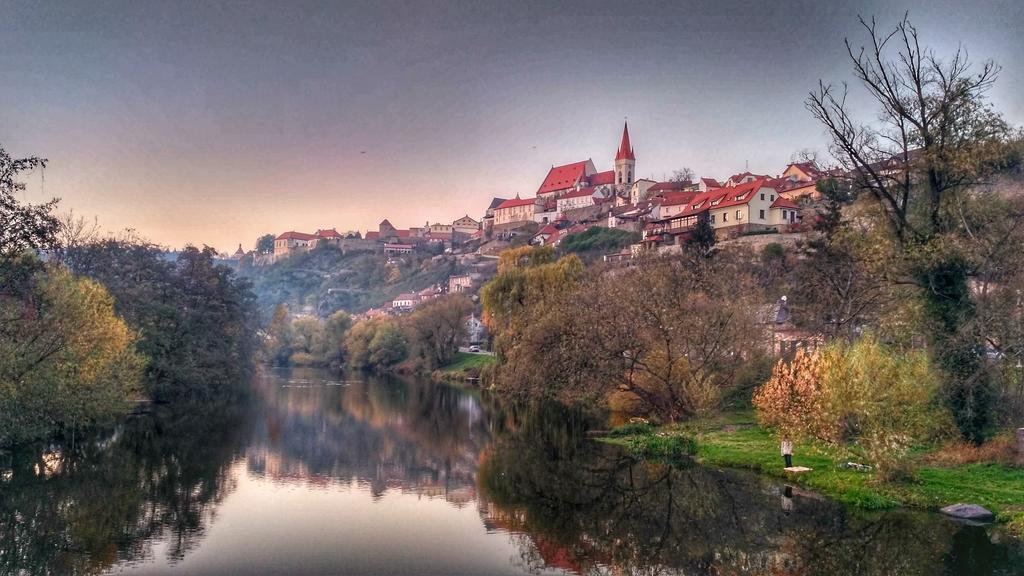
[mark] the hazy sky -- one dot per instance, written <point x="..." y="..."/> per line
<point x="214" y="122"/>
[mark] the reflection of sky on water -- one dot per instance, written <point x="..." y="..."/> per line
<point x="358" y="476"/>
<point x="382" y="477"/>
<point x="273" y="527"/>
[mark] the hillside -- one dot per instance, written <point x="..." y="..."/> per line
<point x="326" y="279"/>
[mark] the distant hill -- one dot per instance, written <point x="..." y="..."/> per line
<point x="326" y="279"/>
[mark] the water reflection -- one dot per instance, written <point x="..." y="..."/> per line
<point x="382" y="433"/>
<point x="80" y="509"/>
<point x="323" y="475"/>
<point x="589" y="509"/>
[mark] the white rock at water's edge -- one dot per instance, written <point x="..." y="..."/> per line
<point x="969" y="512"/>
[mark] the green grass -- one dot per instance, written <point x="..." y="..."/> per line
<point x="464" y="361"/>
<point x="734" y="440"/>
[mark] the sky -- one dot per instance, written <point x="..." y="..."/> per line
<point x="216" y="122"/>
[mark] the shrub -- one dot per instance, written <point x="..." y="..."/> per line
<point x="665" y="445"/>
<point x="862" y="397"/>
<point x="632" y="429"/>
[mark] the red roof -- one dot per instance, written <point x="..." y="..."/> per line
<point x="562" y="177"/>
<point x="737" y="177"/>
<point x="625" y="149"/>
<point x="372" y="235"/>
<point x="667" y="186"/>
<point x="547" y="230"/>
<point x="783" y="202"/>
<point x="581" y="193"/>
<point x="785" y="184"/>
<point x="710" y="183"/>
<point x="515" y="202"/>
<point x="292" y="235"/>
<point x="723" y="197"/>
<point x="332" y="233"/>
<point x="602" y="178"/>
<point x="676" y="198"/>
<point x="808" y="168"/>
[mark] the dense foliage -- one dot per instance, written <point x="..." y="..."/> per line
<point x="597" y="239"/>
<point x="927" y="167"/>
<point x="876" y="401"/>
<point x="66" y="360"/>
<point x="672" y="335"/>
<point x="195" y="319"/>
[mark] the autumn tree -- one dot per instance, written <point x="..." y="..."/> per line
<point x="792" y="401"/>
<point x="863" y="397"/>
<point x="66" y="360"/>
<point x="659" y="332"/>
<point x="936" y="140"/>
<point x="437" y="327"/>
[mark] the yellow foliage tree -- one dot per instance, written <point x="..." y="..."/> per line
<point x="862" y="397"/>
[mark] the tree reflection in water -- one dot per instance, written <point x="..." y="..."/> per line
<point x="566" y="501"/>
<point x="80" y="509"/>
<point x="589" y="508"/>
<point x="378" y="432"/>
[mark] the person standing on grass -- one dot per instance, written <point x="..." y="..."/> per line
<point x="787" y="451"/>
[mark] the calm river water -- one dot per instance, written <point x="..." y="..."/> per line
<point x="320" y="475"/>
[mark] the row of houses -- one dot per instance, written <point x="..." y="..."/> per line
<point x="574" y="197"/>
<point x="386" y="238"/>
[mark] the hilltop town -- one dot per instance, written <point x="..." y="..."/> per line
<point x="648" y="216"/>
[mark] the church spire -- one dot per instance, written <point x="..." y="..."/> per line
<point x="625" y="149"/>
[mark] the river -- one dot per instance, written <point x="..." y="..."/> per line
<point x="321" y="475"/>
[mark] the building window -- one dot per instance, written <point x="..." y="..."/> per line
<point x="725" y="216"/>
<point x="739" y="215"/>
<point x="783" y="214"/>
<point x="761" y="215"/>
<point x="712" y="218"/>
<point x="762" y="197"/>
<point x="771" y="197"/>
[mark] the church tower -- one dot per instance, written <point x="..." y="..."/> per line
<point x="625" y="161"/>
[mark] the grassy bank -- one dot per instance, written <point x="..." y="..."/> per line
<point x="736" y="441"/>
<point x="464" y="365"/>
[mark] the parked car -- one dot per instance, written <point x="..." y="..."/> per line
<point x="474" y="348"/>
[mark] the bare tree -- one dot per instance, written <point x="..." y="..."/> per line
<point x="936" y="128"/>
<point x="76" y="230"/>
<point x="684" y="174"/>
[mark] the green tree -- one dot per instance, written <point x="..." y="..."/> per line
<point x="702" y="238"/>
<point x="265" y="244"/>
<point x="872" y="400"/>
<point x="66" y="360"/>
<point x="335" y="328"/>
<point x="389" y="346"/>
<point x="277" y="345"/>
<point x="527" y="277"/>
<point x="437" y="327"/>
<point x="196" y="320"/>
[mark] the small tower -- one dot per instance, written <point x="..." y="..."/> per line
<point x="625" y="161"/>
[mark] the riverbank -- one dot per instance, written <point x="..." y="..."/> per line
<point x="465" y="366"/>
<point x="736" y="441"/>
